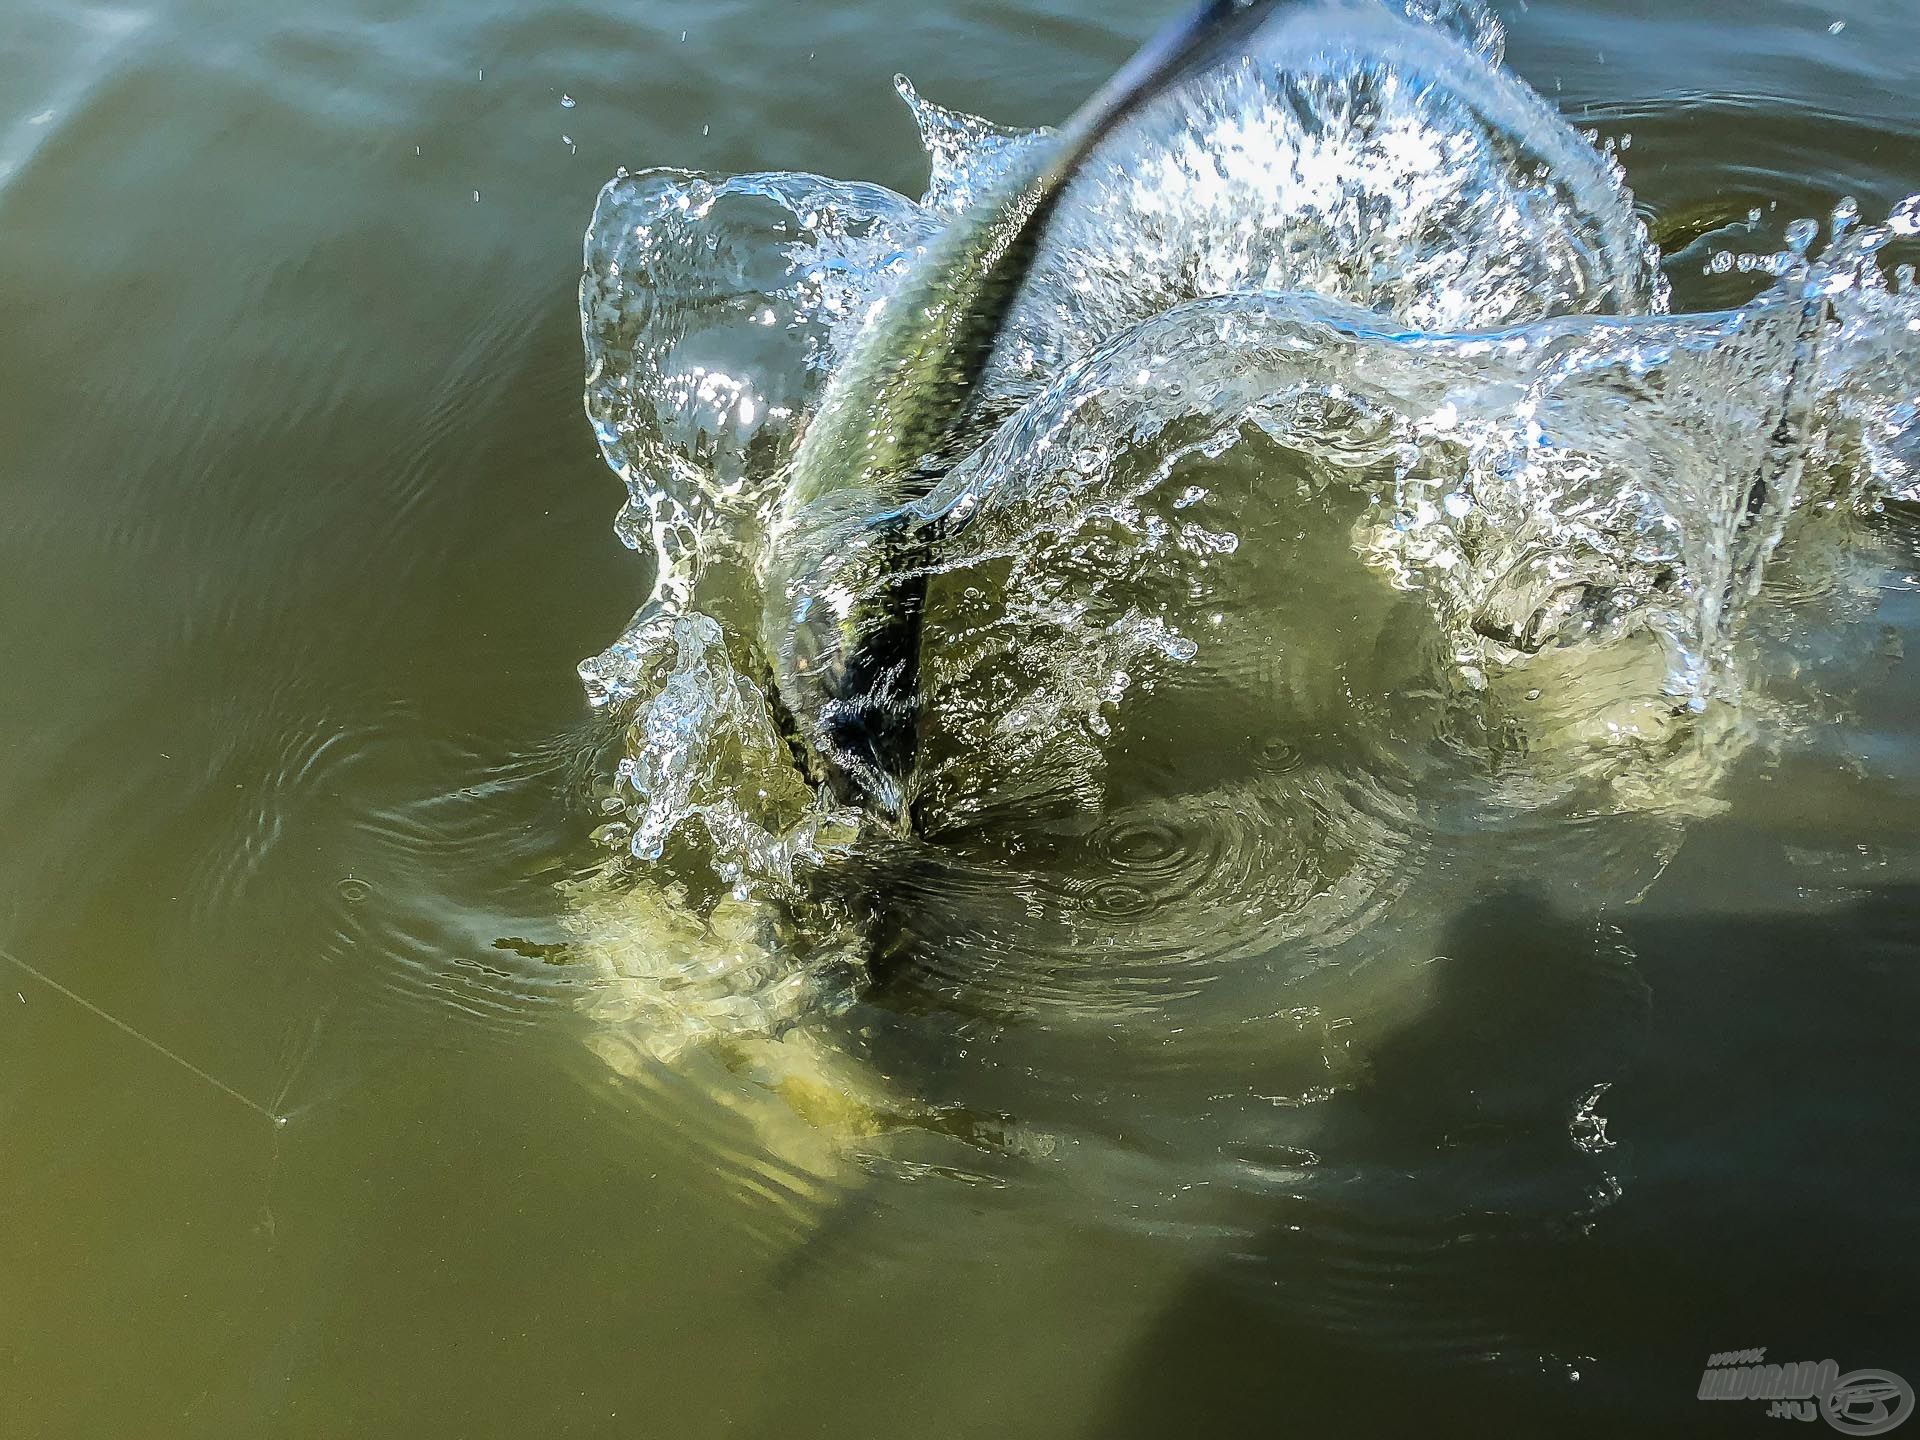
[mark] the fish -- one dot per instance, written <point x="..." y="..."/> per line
<point x="846" y="664"/>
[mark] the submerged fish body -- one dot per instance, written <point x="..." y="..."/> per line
<point x="890" y="424"/>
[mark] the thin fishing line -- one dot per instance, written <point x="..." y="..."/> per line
<point x="119" y="1024"/>
<point x="280" y="1113"/>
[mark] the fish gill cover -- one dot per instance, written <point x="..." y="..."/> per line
<point x="1343" y="488"/>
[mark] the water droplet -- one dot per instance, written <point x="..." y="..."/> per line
<point x="1904" y="218"/>
<point x="613" y="835"/>
<point x="353" y="889"/>
<point x="567" y="102"/>
<point x="1844" y="214"/>
<point x="1836" y="27"/>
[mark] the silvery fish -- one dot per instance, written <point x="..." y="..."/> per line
<point x="847" y="665"/>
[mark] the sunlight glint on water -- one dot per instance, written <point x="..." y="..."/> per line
<point x="1341" y="422"/>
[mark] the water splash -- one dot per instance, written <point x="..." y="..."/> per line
<point x="1348" y="513"/>
<point x="713" y="309"/>
<point x="1350" y="156"/>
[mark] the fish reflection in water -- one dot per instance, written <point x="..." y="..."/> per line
<point x="1344" y="532"/>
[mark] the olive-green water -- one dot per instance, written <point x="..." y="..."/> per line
<point x="304" y="533"/>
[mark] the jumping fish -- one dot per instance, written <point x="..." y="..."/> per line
<point x="846" y="666"/>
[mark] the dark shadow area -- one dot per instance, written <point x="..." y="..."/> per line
<point x="1754" y="1187"/>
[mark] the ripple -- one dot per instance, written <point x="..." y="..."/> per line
<point x="1154" y="846"/>
<point x="1341" y="545"/>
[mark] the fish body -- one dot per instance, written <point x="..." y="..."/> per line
<point x="846" y="664"/>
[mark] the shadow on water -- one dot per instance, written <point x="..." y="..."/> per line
<point x="1476" y="1310"/>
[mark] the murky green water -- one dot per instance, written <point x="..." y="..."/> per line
<point x="305" y="534"/>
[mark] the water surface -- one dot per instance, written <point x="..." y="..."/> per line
<point x="307" y="532"/>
